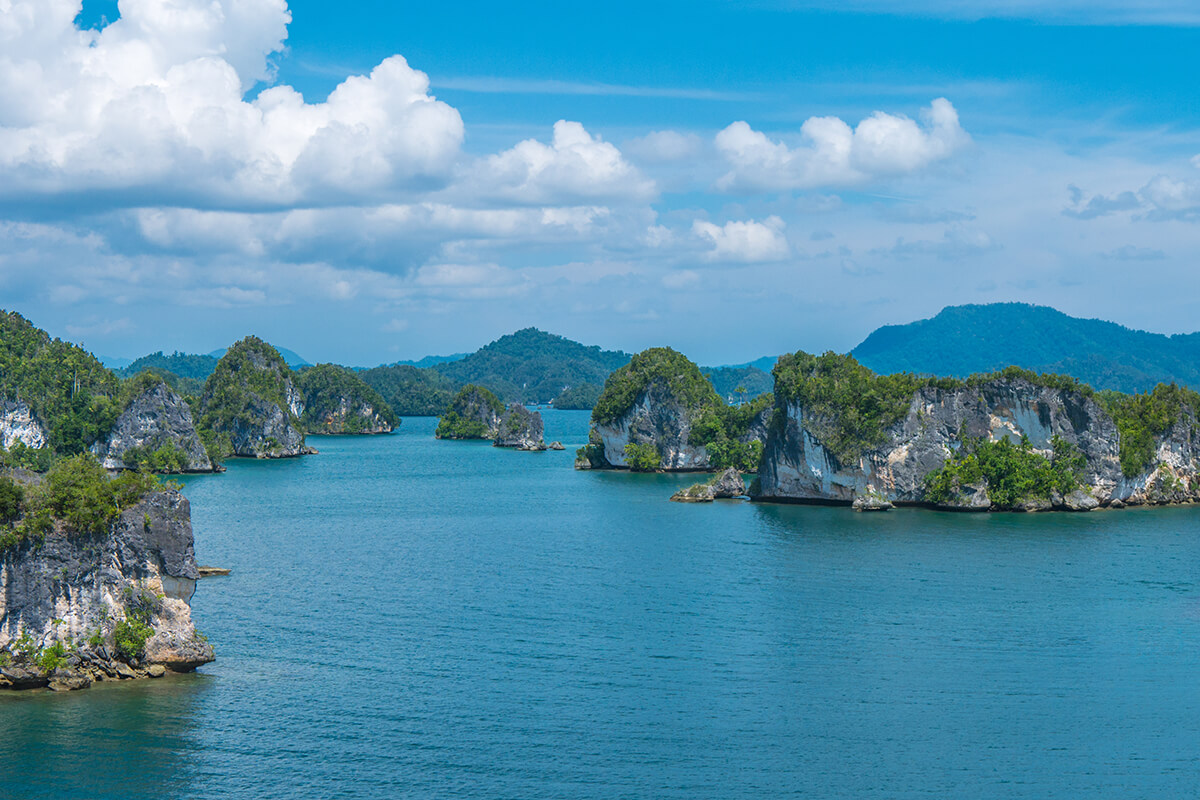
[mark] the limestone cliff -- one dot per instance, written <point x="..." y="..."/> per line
<point x="891" y="434"/>
<point x="155" y="431"/>
<point x="520" y="428"/>
<point x="18" y="424"/>
<point x="474" y="413"/>
<point x="336" y="401"/>
<point x="251" y="404"/>
<point x="80" y="607"/>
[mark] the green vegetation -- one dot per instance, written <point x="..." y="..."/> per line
<point x="51" y="657"/>
<point x="642" y="457"/>
<point x="66" y="387"/>
<point x="183" y="365"/>
<point x="411" y="391"/>
<point x="1012" y="473"/>
<point x="721" y="429"/>
<point x="662" y="364"/>
<point x="847" y="406"/>
<point x="165" y="459"/>
<point x="19" y="456"/>
<point x="249" y="373"/>
<point x="470" y="415"/>
<point x="76" y="491"/>
<point x="325" y="387"/>
<point x="581" y="397"/>
<point x="531" y="366"/>
<point x="1141" y="418"/>
<point x="990" y="337"/>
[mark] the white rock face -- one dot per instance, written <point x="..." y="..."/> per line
<point x="657" y="418"/>
<point x="158" y="417"/>
<point x="17" y="424"/>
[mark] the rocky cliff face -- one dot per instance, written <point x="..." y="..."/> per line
<point x="798" y="466"/>
<point x="252" y="403"/>
<point x="18" y="424"/>
<point x="348" y="416"/>
<point x="660" y="419"/>
<point x="474" y="413"/>
<point x="336" y="401"/>
<point x="520" y="428"/>
<point x="157" y="420"/>
<point x="73" y="592"/>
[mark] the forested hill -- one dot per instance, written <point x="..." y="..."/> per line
<point x="533" y="366"/>
<point x="962" y="340"/>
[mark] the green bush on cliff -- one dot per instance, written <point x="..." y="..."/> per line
<point x="642" y="457"/>
<point x="1141" y="418"/>
<point x="167" y="458"/>
<point x="19" y="456"/>
<point x="1012" y="473"/>
<point x="465" y="418"/>
<point x="720" y="429"/>
<point x="68" y="389"/>
<point x="130" y="637"/>
<point x="847" y="406"/>
<point x="658" y="364"/>
<point x="325" y="387"/>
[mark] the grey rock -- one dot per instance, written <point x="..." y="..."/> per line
<point x="148" y="552"/>
<point x="1116" y="504"/>
<point x="69" y="680"/>
<point x="18" y="424"/>
<point x="156" y="670"/>
<point x="1080" y="500"/>
<point x="729" y="484"/>
<point x="871" y="501"/>
<point x="14" y="677"/>
<point x="156" y="418"/>
<point x="124" y="671"/>
<point x="520" y="428"/>
<point x="555" y="446"/>
<point x="657" y="418"/>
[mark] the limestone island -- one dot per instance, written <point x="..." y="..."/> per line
<point x="476" y="413"/>
<point x="96" y="576"/>
<point x="835" y="432"/>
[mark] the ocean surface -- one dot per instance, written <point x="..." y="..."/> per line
<point x="409" y="618"/>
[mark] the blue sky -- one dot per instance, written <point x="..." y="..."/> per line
<point x="732" y="179"/>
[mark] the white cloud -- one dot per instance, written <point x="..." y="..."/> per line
<point x="680" y="279"/>
<point x="151" y="109"/>
<point x="1163" y="197"/>
<point x="747" y="241"/>
<point x="574" y="167"/>
<point x="834" y="154"/>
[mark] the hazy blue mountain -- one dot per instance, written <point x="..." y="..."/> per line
<point x="114" y="362"/>
<point x="429" y="361"/>
<point x="962" y="340"/>
<point x="752" y="379"/>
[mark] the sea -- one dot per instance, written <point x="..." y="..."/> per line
<point x="414" y="618"/>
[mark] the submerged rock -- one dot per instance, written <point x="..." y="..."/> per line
<point x="728" y="485"/>
<point x="520" y="428"/>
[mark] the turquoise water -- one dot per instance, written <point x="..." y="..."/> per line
<point x="414" y="618"/>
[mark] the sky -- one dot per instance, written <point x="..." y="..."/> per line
<point x="370" y="181"/>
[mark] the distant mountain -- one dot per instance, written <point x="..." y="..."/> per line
<point x="429" y="361"/>
<point x="290" y="357"/>
<point x="766" y="364"/>
<point x="752" y="380"/>
<point x="114" y="362"/>
<point x="533" y="366"/>
<point x="962" y="340"/>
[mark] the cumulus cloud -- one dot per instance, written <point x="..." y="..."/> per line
<point x="743" y="241"/>
<point x="831" y="153"/>
<point x="576" y="166"/>
<point x="1163" y="197"/>
<point x="152" y="110"/>
<point x="665" y="146"/>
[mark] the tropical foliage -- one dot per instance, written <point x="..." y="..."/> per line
<point x="722" y="430"/>
<point x="472" y="415"/>
<point x="249" y="373"/>
<point x="642" y="457"/>
<point x="411" y="391"/>
<point x="581" y="397"/>
<point x="325" y="388"/>
<point x="1143" y="417"/>
<point x="673" y="370"/>
<point x="1012" y="473"/>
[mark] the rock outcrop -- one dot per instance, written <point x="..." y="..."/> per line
<point x="155" y="431"/>
<point x="252" y="405"/>
<point x="939" y="420"/>
<point x="77" y="608"/>
<point x="520" y="428"/>
<point x="336" y="401"/>
<point x="728" y="485"/>
<point x="474" y="413"/>
<point x="18" y="424"/>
